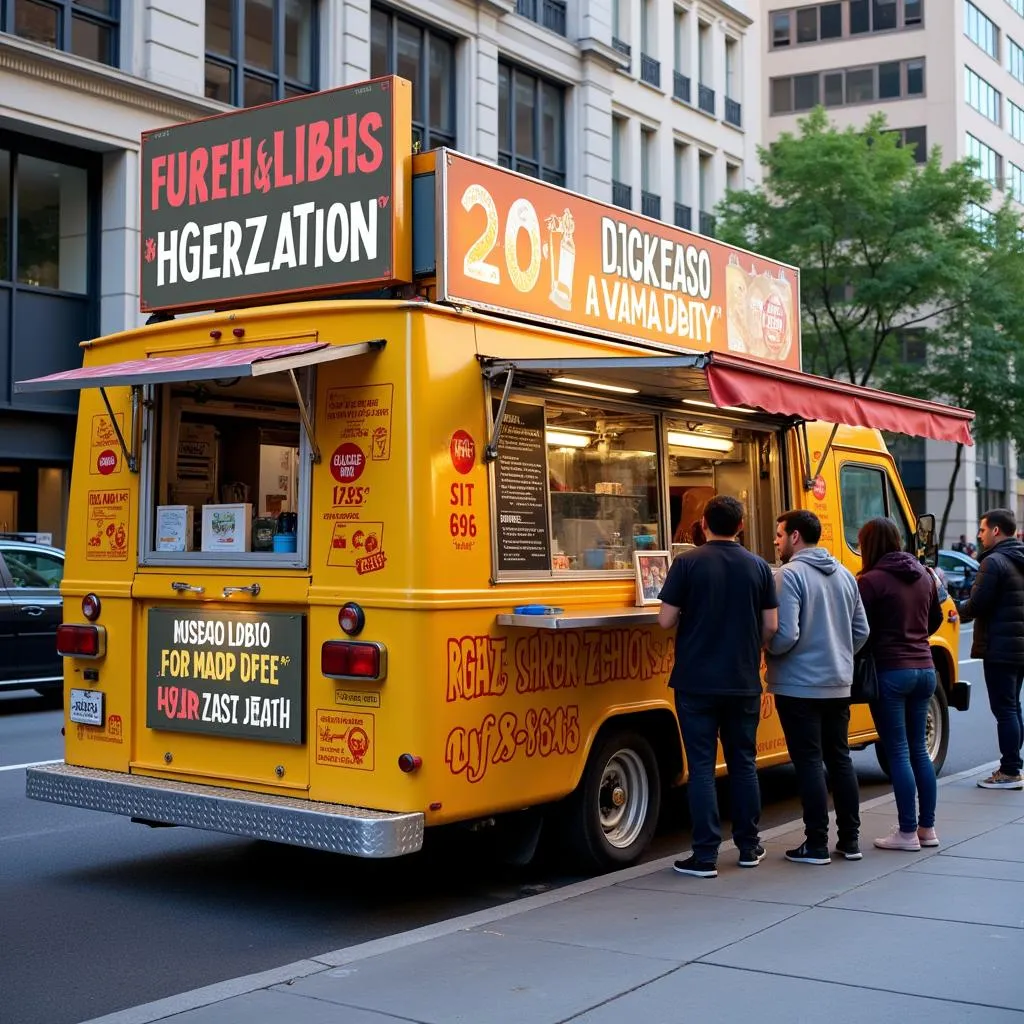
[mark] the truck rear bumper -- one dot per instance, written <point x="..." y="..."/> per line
<point x="355" y="831"/>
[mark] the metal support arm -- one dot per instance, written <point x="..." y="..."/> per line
<point x="491" y="451"/>
<point x="131" y="456"/>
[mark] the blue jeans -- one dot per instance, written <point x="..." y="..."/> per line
<point x="702" y="718"/>
<point x="900" y="714"/>
<point x="1003" y="683"/>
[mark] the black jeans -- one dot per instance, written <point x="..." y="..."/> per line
<point x="702" y="719"/>
<point x="1003" y="683"/>
<point x="818" y="737"/>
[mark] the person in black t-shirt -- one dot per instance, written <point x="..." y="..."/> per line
<point x="723" y="599"/>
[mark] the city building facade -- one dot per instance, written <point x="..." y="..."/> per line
<point x="947" y="73"/>
<point x="650" y="104"/>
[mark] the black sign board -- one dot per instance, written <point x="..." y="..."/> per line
<point x="521" y="490"/>
<point x="302" y="197"/>
<point x="226" y="673"/>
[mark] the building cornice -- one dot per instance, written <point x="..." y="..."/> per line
<point x="21" y="57"/>
<point x="596" y="50"/>
<point x="498" y="7"/>
<point x="725" y="9"/>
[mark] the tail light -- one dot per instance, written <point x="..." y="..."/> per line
<point x="74" y="641"/>
<point x="347" y="659"/>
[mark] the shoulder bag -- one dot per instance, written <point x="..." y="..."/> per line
<point x="865" y="678"/>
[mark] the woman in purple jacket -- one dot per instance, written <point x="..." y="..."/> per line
<point x="903" y="610"/>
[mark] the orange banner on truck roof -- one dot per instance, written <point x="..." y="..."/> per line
<point x="520" y="246"/>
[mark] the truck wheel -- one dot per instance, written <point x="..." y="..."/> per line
<point x="936" y="732"/>
<point x="613" y="813"/>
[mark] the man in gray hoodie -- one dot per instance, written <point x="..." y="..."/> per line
<point x="810" y="670"/>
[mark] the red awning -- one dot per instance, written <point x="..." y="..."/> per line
<point x="213" y="364"/>
<point x="733" y="380"/>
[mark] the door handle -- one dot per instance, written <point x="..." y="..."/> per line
<point x="253" y="588"/>
<point x="34" y="610"/>
<point x="186" y="588"/>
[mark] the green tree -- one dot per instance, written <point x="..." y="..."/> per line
<point x="886" y="246"/>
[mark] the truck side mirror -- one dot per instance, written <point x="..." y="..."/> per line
<point x="927" y="545"/>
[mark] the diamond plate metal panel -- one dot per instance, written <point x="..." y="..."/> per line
<point x="355" y="831"/>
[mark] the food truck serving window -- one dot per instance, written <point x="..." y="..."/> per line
<point x="225" y="472"/>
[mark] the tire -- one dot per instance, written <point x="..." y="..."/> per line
<point x="610" y="818"/>
<point x="936" y="731"/>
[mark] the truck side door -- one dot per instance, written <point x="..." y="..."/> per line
<point x="866" y="490"/>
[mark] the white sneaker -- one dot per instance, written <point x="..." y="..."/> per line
<point x="897" y="840"/>
<point x="927" y="837"/>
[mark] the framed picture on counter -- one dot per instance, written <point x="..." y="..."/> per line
<point x="651" y="569"/>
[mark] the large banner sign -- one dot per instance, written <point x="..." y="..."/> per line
<point x="226" y="674"/>
<point x="302" y="197"/>
<point x="519" y="246"/>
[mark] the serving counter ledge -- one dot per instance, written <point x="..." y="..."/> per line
<point x="583" y="618"/>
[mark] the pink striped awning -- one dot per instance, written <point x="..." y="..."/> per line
<point x="213" y="364"/>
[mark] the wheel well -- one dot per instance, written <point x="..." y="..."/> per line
<point x="943" y="667"/>
<point x="660" y="728"/>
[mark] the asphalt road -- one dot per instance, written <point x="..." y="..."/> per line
<point x="98" y="914"/>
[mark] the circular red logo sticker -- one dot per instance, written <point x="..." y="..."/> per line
<point x="819" y="487"/>
<point x="773" y="323"/>
<point x="347" y="463"/>
<point x="463" y="452"/>
<point x="107" y="462"/>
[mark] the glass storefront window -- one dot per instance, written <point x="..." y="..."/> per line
<point x="603" y="478"/>
<point x="52" y="225"/>
<point x="5" y="215"/>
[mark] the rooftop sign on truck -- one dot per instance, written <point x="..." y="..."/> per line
<point x="291" y="199"/>
<point x="516" y="245"/>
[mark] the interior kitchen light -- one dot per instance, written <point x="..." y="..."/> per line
<point x="563" y="439"/>
<point x="596" y="384"/>
<point x="704" y="442"/>
<point x="711" y="405"/>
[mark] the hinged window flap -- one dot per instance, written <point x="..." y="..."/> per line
<point x="131" y="456"/>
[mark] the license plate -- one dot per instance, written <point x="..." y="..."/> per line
<point x="86" y="707"/>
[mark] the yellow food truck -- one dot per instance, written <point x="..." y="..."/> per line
<point x="375" y="546"/>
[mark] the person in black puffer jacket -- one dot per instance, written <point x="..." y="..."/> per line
<point x="996" y="605"/>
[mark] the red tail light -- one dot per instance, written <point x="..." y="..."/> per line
<point x="74" y="641"/>
<point x="344" y="659"/>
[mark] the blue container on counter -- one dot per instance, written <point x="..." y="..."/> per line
<point x="284" y="543"/>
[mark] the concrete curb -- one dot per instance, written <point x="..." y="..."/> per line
<point x="148" y="1013"/>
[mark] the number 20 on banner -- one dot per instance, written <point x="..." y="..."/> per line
<point x="521" y="217"/>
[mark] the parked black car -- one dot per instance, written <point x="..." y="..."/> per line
<point x="959" y="571"/>
<point x="30" y="611"/>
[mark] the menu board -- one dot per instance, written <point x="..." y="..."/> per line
<point x="521" y="490"/>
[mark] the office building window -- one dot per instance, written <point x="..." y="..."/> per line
<point x="426" y="57"/>
<point x="531" y="124"/>
<point x="821" y="22"/>
<point x="978" y="217"/>
<point x="981" y="95"/>
<point x="1015" y="59"/>
<point x="1017" y="5"/>
<point x="86" y="28"/>
<point x="990" y="163"/>
<point x="1016" y="121"/>
<point x="260" y="50"/>
<point x="981" y="30"/>
<point x="781" y="27"/>
<point x="846" y="87"/>
<point x="917" y="138"/>
<point x="1015" y="183"/>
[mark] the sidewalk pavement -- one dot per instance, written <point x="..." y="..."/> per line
<point x="935" y="936"/>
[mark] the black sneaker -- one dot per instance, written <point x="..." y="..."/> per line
<point x="850" y="849"/>
<point x="697" y="868"/>
<point x="751" y="856"/>
<point x="805" y="854"/>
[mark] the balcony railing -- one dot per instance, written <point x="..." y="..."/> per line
<point x="733" y="112"/>
<point x="549" y="13"/>
<point x="683" y="217"/>
<point x="707" y="224"/>
<point x="680" y="86"/>
<point x="622" y="46"/>
<point x="650" y="70"/>
<point x="650" y="205"/>
<point x="622" y="195"/>
<point x="706" y="99"/>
